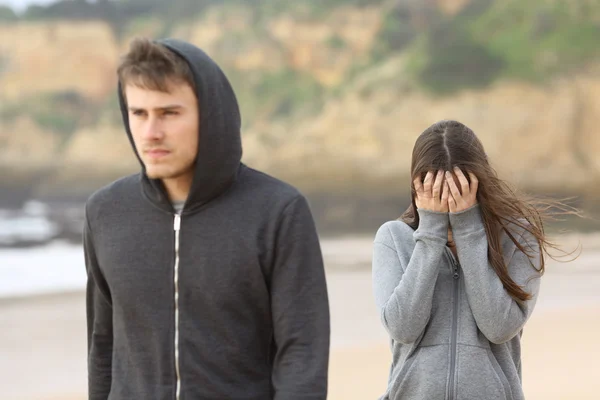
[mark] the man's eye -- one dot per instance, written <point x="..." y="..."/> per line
<point x="138" y="113"/>
<point x="171" y="112"/>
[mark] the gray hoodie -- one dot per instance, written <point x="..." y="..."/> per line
<point x="227" y="300"/>
<point x="455" y="331"/>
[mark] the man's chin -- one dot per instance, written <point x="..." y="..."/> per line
<point x="164" y="171"/>
<point x="154" y="174"/>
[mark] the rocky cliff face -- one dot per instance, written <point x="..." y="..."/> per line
<point x="543" y="138"/>
<point x="59" y="115"/>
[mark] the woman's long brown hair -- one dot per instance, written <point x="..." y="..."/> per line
<point x="449" y="143"/>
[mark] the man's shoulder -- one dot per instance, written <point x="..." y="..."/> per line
<point x="272" y="187"/>
<point x="113" y="192"/>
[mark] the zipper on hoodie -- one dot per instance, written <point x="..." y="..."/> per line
<point x="176" y="228"/>
<point x="454" y="334"/>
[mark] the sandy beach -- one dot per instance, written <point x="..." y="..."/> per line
<point x="43" y="344"/>
<point x="560" y="360"/>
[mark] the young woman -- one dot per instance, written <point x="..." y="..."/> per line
<point x="457" y="276"/>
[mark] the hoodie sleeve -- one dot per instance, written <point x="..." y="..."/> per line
<point x="498" y="316"/>
<point x="403" y="285"/>
<point x="300" y="308"/>
<point x="99" y="323"/>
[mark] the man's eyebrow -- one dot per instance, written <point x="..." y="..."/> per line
<point x="167" y="107"/>
<point x="170" y="107"/>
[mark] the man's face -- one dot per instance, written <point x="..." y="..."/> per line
<point x="165" y="129"/>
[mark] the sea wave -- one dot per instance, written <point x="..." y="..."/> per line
<point x="54" y="268"/>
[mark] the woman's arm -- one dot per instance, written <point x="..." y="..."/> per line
<point x="498" y="316"/>
<point x="403" y="293"/>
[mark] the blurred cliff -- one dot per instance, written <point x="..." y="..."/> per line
<point x="333" y="94"/>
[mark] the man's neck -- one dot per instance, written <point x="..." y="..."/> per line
<point x="178" y="188"/>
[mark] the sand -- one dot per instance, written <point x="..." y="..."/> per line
<point x="42" y="339"/>
<point x="560" y="360"/>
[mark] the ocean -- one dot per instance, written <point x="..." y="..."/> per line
<point x="56" y="267"/>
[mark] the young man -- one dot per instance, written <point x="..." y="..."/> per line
<point x="205" y="277"/>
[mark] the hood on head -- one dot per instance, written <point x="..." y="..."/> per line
<point x="219" y="145"/>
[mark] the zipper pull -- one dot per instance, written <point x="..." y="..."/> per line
<point x="456" y="272"/>
<point x="177" y="222"/>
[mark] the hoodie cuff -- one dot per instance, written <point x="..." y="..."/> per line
<point x="467" y="221"/>
<point x="433" y="224"/>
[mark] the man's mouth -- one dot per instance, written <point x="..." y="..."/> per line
<point x="157" y="153"/>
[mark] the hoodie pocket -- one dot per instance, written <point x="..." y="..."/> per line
<point x="422" y="376"/>
<point x="479" y="375"/>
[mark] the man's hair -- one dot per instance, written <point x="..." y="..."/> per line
<point x="153" y="66"/>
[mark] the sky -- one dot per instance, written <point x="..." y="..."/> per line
<point x="21" y="5"/>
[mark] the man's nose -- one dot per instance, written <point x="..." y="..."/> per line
<point x="153" y="129"/>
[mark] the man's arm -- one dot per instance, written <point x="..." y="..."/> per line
<point x="300" y="308"/>
<point x="99" y="323"/>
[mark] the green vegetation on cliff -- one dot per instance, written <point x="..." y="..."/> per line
<point x="530" y="40"/>
<point x="60" y="113"/>
<point x="445" y="51"/>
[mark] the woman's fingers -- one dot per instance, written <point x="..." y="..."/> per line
<point x="464" y="183"/>
<point x="453" y="188"/>
<point x="474" y="183"/>
<point x="437" y="185"/>
<point x="427" y="183"/>
<point x="445" y="193"/>
<point x="451" y="202"/>
<point x="418" y="185"/>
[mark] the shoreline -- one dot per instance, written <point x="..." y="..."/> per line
<point x="16" y="300"/>
<point x="341" y="254"/>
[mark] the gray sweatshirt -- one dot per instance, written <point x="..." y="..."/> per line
<point x="455" y="331"/>
<point x="225" y="300"/>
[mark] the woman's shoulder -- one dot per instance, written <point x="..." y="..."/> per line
<point x="519" y="230"/>
<point x="395" y="232"/>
